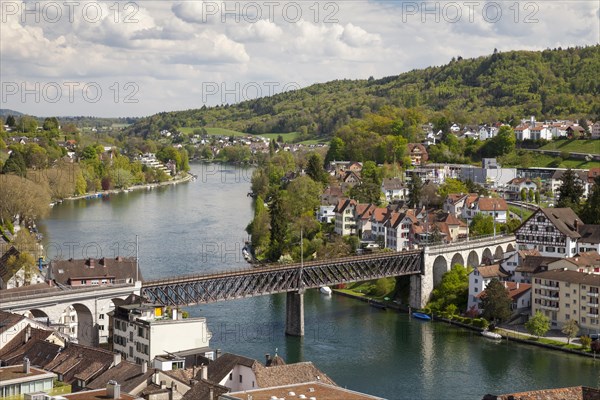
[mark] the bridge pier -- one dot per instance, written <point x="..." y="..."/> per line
<point x="294" y="313"/>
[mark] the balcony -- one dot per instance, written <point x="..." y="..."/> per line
<point x="595" y="305"/>
<point x="553" y="288"/>
<point x="592" y="294"/>
<point x="592" y="315"/>
<point x="551" y="298"/>
<point x="547" y="307"/>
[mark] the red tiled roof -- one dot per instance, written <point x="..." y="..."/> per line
<point x="487" y="204"/>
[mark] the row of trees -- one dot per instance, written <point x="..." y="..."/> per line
<point x="570" y="194"/>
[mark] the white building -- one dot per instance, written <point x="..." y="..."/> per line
<point x="325" y="214"/>
<point x="345" y="222"/>
<point x="140" y="332"/>
<point x="479" y="278"/>
<point x="581" y="176"/>
<point x="554" y="232"/>
<point x="596" y="130"/>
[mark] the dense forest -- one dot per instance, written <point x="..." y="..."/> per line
<point x="559" y="83"/>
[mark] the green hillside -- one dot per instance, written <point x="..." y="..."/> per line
<point x="503" y="86"/>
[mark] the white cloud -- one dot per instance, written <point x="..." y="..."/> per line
<point x="173" y="48"/>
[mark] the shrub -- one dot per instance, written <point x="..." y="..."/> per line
<point x="586" y="341"/>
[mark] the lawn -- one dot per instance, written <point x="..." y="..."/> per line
<point x="543" y="160"/>
<point x="518" y="210"/>
<point x="214" y="131"/>
<point x="574" y="146"/>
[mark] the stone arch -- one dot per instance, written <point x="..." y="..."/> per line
<point x="499" y="253"/>
<point x="473" y="259"/>
<point x="37" y="315"/>
<point x="457" y="259"/>
<point x="510" y="248"/>
<point x="85" y="329"/>
<point x="440" y="267"/>
<point x="487" y="257"/>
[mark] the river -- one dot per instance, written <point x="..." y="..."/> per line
<point x="199" y="227"/>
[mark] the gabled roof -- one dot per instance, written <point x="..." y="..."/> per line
<point x="343" y="204"/>
<point x="492" y="271"/>
<point x="203" y="389"/>
<point x="491" y="204"/>
<point x="589" y="234"/>
<point x="564" y="219"/>
<point x="289" y="374"/>
<point x="392" y="184"/>
<point x="222" y="366"/>
<point x="128" y="374"/>
<point x="587" y="259"/>
<point x="515" y="290"/>
<point x="582" y="175"/>
<point x="81" y="362"/>
<point x="118" y="268"/>
<point x="455" y="197"/>
<point x="570" y="276"/>
<point x="535" y="263"/>
<point x="36" y="349"/>
<point x="364" y="211"/>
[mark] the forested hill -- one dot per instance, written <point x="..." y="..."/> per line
<point x="503" y="86"/>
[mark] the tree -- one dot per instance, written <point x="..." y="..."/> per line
<point x="591" y="209"/>
<point x="503" y="143"/>
<point x="25" y="262"/>
<point x="523" y="194"/>
<point x="538" y="324"/>
<point x="10" y="121"/>
<point x="303" y="196"/>
<point x="22" y="197"/>
<point x="531" y="195"/>
<point x="336" y="150"/>
<point x="15" y="164"/>
<point x="452" y="290"/>
<point x="278" y="226"/>
<point x="315" y="169"/>
<point x="481" y="224"/>
<point x="570" y="329"/>
<point x="371" y="173"/>
<point x="595" y="346"/>
<point x="496" y="302"/>
<point x="450" y="186"/>
<point x="586" y="341"/>
<point x="366" y="192"/>
<point x="414" y="188"/>
<point x="570" y="191"/>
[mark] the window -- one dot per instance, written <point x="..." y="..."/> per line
<point x="476" y="290"/>
<point x="240" y="378"/>
<point x="231" y="376"/>
<point x="101" y="316"/>
<point x="567" y="305"/>
<point x="567" y="316"/>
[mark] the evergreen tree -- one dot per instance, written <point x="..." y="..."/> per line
<point x="496" y="302"/>
<point x="10" y="121"/>
<point x="591" y="209"/>
<point x="336" y="150"/>
<point x="415" y="191"/>
<point x="570" y="192"/>
<point x="15" y="164"/>
<point x="315" y="169"/>
<point x="278" y="226"/>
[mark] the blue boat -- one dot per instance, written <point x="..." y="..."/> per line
<point x="422" y="316"/>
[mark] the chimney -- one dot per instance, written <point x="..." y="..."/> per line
<point x="211" y="394"/>
<point x="172" y="390"/>
<point x="204" y="370"/>
<point x="144" y="366"/>
<point x="27" y="334"/>
<point x="517" y="285"/>
<point x="92" y="263"/>
<point x="576" y="223"/>
<point x="113" y="390"/>
<point x="217" y="353"/>
<point x="116" y="359"/>
<point x="163" y="384"/>
<point x="267" y="359"/>
<point x="26" y="366"/>
<point x="155" y="378"/>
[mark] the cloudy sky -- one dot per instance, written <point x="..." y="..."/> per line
<point x="142" y="57"/>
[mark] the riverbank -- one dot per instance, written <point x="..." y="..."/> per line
<point x="188" y="177"/>
<point x="507" y="334"/>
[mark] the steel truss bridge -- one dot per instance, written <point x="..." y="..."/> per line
<point x="276" y="278"/>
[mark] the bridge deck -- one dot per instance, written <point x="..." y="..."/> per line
<point x="278" y="278"/>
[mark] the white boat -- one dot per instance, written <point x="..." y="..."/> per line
<point x="491" y="335"/>
<point x="325" y="290"/>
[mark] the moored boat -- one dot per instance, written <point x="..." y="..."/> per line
<point x="325" y="290"/>
<point x="422" y="316"/>
<point x="491" y="335"/>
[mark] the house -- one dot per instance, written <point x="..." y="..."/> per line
<point x="345" y="222"/>
<point x="479" y="278"/>
<point x="417" y="153"/>
<point x="487" y="132"/>
<point x="39" y="346"/>
<point x="363" y="214"/>
<point x="590" y="238"/>
<point x="563" y="295"/>
<point x="142" y="331"/>
<point x="516" y="185"/>
<point x="494" y="207"/>
<point x="552" y="231"/>
<point x="77" y="365"/>
<point x="593" y="173"/>
<point x="520" y="295"/>
<point x="94" y="272"/>
<point x="325" y="214"/>
<point x="394" y="189"/>
<point x="331" y="195"/>
<point x="398" y="230"/>
<point x="24" y="276"/>
<point x="132" y="377"/>
<point x="575" y="131"/>
<point x="581" y="176"/>
<point x="596" y="130"/>
<point x="588" y="262"/>
<point x="239" y="373"/>
<point x="310" y="390"/>
<point x="22" y="379"/>
<point x="15" y="326"/>
<point x="111" y="391"/>
<point x="350" y="177"/>
<point x="531" y="265"/>
<point x="456" y="202"/>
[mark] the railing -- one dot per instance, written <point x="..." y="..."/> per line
<point x="437" y="246"/>
<point x="53" y="290"/>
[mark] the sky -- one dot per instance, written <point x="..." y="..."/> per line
<point x="137" y="58"/>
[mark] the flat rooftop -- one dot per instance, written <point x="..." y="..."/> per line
<point x="318" y="390"/>
<point x="16" y="372"/>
